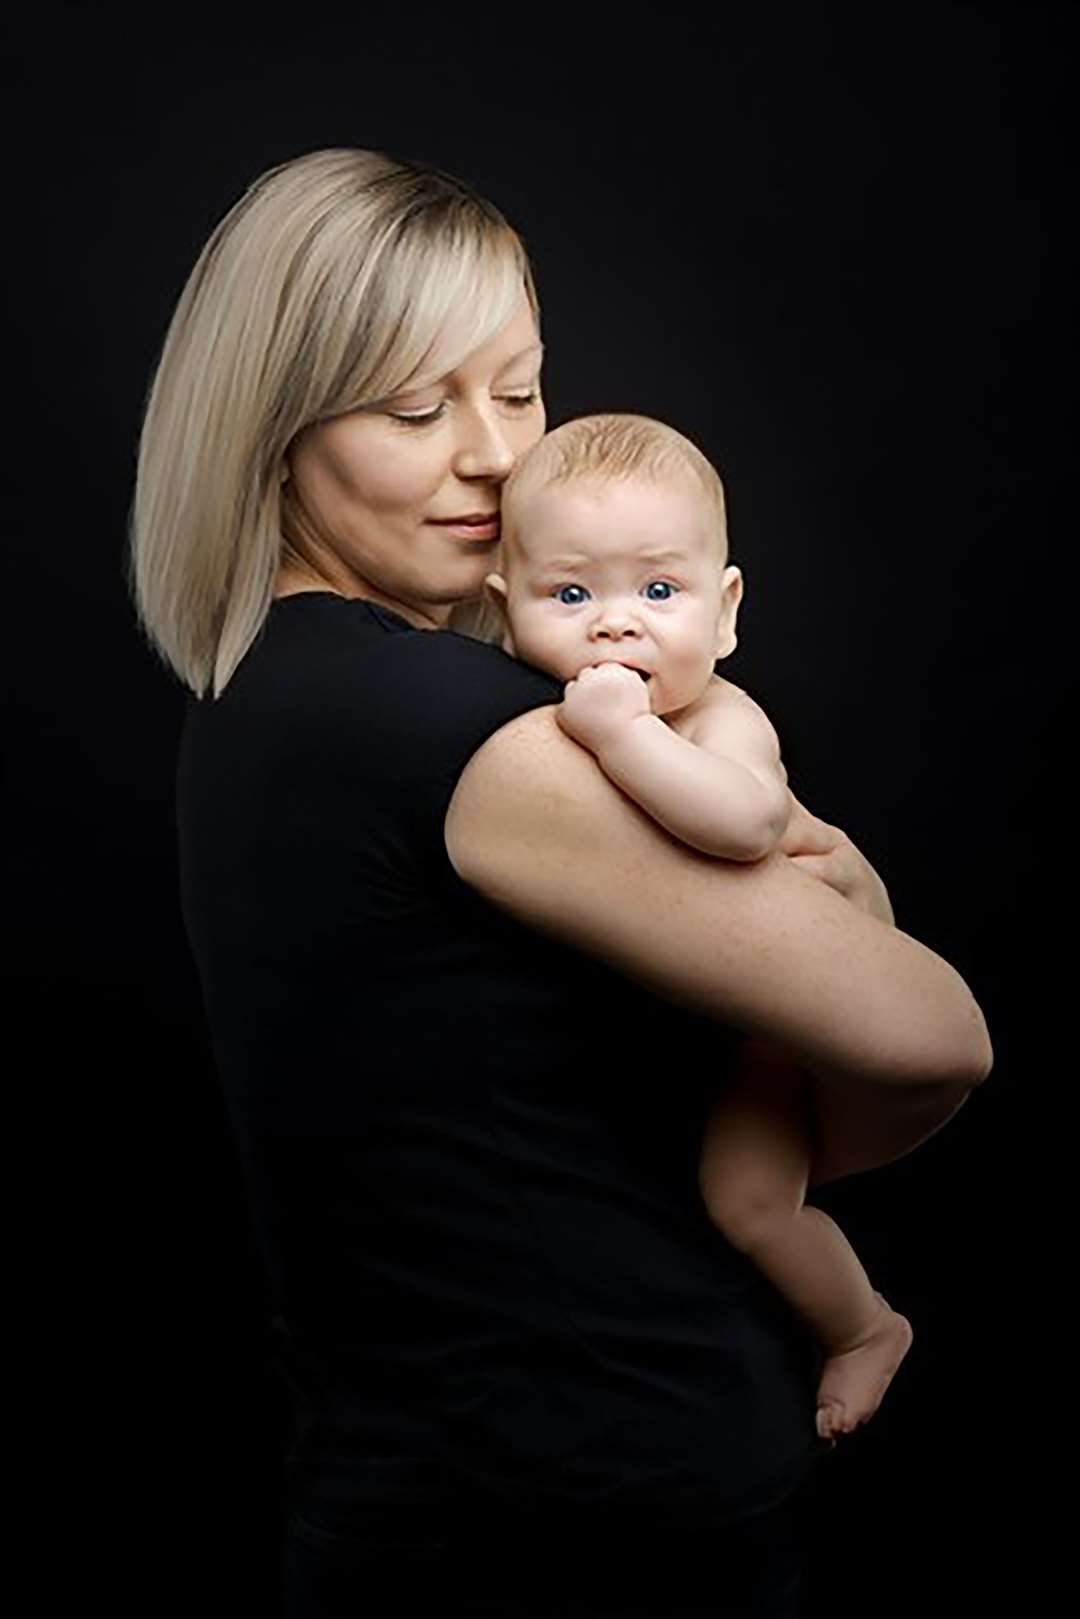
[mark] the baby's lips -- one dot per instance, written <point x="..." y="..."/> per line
<point x="607" y="663"/>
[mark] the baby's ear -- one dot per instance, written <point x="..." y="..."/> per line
<point x="495" y="596"/>
<point x="731" y="594"/>
<point x="495" y="592"/>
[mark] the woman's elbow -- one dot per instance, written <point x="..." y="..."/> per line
<point x="965" y="1058"/>
<point x="981" y="1051"/>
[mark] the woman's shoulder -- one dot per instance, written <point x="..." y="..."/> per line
<point x="455" y="691"/>
<point x="328" y="667"/>
<point x="449" y="674"/>
<point x="315" y="637"/>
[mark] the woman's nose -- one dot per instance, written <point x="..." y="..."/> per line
<point x="482" y="450"/>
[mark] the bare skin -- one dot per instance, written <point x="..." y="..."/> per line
<point x="854" y="1381"/>
<point x="755" y="1171"/>
<point x="700" y="756"/>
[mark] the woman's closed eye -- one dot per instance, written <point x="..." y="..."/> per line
<point x="423" y="419"/>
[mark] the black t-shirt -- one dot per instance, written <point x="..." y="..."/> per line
<point x="470" y="1152"/>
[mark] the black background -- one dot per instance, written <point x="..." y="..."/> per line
<point x="828" y="244"/>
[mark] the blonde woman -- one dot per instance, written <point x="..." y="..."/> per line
<point x="469" y="1005"/>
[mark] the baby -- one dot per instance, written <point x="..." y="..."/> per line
<point x="614" y="578"/>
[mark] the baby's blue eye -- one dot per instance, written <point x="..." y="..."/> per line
<point x="659" y="584"/>
<point x="576" y="600"/>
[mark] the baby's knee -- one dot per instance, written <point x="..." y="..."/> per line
<point x="750" y="1215"/>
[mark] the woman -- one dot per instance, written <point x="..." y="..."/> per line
<point x="449" y="969"/>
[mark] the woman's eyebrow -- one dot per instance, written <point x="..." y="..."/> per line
<point x="433" y="382"/>
<point x="533" y="348"/>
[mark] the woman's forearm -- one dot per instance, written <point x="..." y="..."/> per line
<point x="538" y="828"/>
<point x="713" y="803"/>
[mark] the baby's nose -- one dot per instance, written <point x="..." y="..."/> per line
<point x="615" y="621"/>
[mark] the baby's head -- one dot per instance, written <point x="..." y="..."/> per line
<point x="614" y="549"/>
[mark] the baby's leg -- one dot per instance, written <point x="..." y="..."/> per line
<point x="756" y="1156"/>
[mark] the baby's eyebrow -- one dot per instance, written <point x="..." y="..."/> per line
<point x="652" y="558"/>
<point x="663" y="556"/>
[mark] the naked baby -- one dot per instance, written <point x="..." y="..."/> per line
<point x="614" y="578"/>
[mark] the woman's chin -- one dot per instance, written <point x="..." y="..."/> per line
<point x="466" y="583"/>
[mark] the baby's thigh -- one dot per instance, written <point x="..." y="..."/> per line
<point x="853" y="1131"/>
<point x="758" y="1145"/>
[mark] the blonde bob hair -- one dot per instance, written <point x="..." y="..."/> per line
<point x="614" y="446"/>
<point x="327" y="286"/>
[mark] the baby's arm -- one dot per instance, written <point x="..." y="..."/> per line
<point x="724" y="792"/>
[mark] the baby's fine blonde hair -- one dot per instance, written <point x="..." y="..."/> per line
<point x="611" y="447"/>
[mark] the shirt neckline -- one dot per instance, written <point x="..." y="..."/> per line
<point x="386" y="616"/>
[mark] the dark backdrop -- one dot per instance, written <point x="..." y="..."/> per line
<point x="826" y="243"/>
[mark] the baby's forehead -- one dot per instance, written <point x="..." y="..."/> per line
<point x="592" y="492"/>
<point x="567" y="523"/>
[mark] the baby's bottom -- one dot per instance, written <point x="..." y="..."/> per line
<point x="755" y="1168"/>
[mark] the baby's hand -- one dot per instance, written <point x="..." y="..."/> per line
<point x="603" y="699"/>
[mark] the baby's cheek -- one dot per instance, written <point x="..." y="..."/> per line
<point x="538" y="645"/>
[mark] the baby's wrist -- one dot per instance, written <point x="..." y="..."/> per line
<point x="623" y="743"/>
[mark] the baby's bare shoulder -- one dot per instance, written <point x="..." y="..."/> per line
<point x="721" y="693"/>
<point x="720" y="702"/>
<point x="728" y="720"/>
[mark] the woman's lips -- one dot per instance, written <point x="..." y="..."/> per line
<point x="471" y="531"/>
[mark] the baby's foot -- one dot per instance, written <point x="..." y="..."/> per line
<point x="853" y="1383"/>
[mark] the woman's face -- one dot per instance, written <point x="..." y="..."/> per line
<point x="369" y="492"/>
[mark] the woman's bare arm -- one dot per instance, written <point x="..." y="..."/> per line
<point x="536" y="826"/>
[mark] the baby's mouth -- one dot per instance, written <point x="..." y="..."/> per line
<point x="644" y="674"/>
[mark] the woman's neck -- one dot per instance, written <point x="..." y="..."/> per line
<point x="293" y="581"/>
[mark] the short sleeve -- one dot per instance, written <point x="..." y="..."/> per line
<point x="409" y="709"/>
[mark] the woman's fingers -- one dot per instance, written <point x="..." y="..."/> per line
<point x="815" y="865"/>
<point x="821" y="850"/>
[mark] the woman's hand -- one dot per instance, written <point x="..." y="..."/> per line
<point x="828" y="853"/>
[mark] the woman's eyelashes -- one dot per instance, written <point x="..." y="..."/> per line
<point x="518" y="401"/>
<point x="664" y="585"/>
